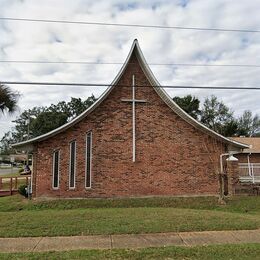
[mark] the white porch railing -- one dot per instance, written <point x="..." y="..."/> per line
<point x="249" y="172"/>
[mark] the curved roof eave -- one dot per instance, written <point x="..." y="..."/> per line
<point x="160" y="91"/>
<point x="179" y="111"/>
<point x="83" y="114"/>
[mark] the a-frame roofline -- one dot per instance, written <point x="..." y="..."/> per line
<point x="233" y="145"/>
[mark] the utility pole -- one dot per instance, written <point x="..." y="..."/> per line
<point x="28" y="133"/>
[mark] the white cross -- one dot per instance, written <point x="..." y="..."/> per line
<point x="133" y="101"/>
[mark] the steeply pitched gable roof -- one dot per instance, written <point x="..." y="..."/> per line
<point x="160" y="91"/>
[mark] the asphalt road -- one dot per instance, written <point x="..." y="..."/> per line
<point x="8" y="170"/>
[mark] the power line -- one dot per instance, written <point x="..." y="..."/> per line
<point x="121" y="85"/>
<point x="121" y="63"/>
<point x="130" y="25"/>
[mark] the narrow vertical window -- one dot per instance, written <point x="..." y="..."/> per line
<point x="88" y="159"/>
<point x="72" y="169"/>
<point x="55" y="169"/>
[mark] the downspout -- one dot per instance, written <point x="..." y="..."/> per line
<point x="31" y="180"/>
<point x="225" y="154"/>
<point x="221" y="161"/>
<point x="220" y="175"/>
<point x="222" y="171"/>
<point x="249" y="168"/>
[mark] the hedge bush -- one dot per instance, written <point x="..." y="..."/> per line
<point x="22" y="190"/>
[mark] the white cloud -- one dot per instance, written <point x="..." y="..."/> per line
<point x="48" y="41"/>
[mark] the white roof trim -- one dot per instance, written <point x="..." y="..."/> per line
<point x="160" y="91"/>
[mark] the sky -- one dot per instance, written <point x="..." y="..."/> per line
<point x="92" y="43"/>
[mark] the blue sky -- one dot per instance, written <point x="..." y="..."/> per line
<point x="64" y="42"/>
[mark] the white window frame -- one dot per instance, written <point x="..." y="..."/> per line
<point x="53" y="167"/>
<point x="86" y="161"/>
<point x="75" y="168"/>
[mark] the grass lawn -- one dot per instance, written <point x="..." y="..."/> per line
<point x="20" y="217"/>
<point x="119" y="220"/>
<point x="244" y="251"/>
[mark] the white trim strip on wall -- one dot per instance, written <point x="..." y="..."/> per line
<point x="74" y="186"/>
<point x="53" y="169"/>
<point x="90" y="161"/>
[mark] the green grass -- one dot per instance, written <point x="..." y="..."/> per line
<point x="238" y="204"/>
<point x="20" y="217"/>
<point x="119" y="220"/>
<point x="214" y="252"/>
<point x="5" y="167"/>
<point x="6" y="183"/>
<point x="14" y="174"/>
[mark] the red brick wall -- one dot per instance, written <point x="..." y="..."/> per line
<point x="233" y="177"/>
<point x="254" y="158"/>
<point x="172" y="157"/>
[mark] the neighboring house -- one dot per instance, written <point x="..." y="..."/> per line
<point x="133" y="141"/>
<point x="249" y="160"/>
<point x="17" y="158"/>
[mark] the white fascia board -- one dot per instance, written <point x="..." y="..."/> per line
<point x="179" y="111"/>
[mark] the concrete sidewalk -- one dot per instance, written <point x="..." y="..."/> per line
<point x="38" y="244"/>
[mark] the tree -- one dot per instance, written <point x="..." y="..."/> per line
<point x="20" y="131"/>
<point x="76" y="106"/>
<point x="46" y="122"/>
<point x="40" y="120"/>
<point x="6" y="143"/>
<point x="189" y="104"/>
<point x="8" y="99"/>
<point x="218" y="117"/>
<point x="248" y="124"/>
<point x="46" y="119"/>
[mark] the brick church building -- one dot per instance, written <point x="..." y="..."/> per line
<point x="133" y="141"/>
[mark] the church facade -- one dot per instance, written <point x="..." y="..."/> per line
<point x="133" y="141"/>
